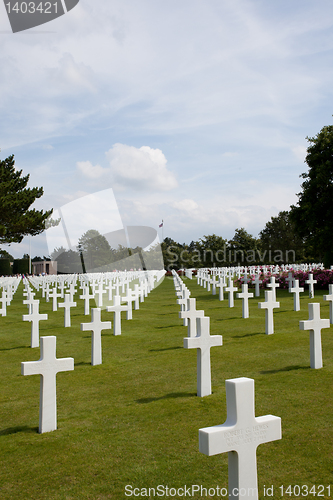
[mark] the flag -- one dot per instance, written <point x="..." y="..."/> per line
<point x="161" y="225"/>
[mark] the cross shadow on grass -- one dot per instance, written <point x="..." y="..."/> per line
<point x="20" y="428"/>
<point x="167" y="326"/>
<point x="286" y="369"/>
<point x="82" y="363"/>
<point x="166" y="349"/>
<point x="247" y="335"/>
<point x="18" y="347"/>
<point x="173" y="395"/>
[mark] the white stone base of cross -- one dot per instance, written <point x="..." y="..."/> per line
<point x="47" y="367"/>
<point x="240" y="436"/>
<point x="315" y="325"/>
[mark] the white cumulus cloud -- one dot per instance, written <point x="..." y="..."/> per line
<point x="140" y="168"/>
<point x="89" y="170"/>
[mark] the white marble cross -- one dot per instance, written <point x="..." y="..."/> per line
<point x="231" y="289"/>
<point x="72" y="291"/>
<point x="191" y="314"/>
<point x="257" y="282"/>
<point x="100" y="293"/>
<point x="96" y="326"/>
<point x="29" y="300"/>
<point x="269" y="305"/>
<point x="54" y="296"/>
<point x="212" y="282"/>
<point x="86" y="296"/>
<point x="3" y="300"/>
<point x="35" y="317"/>
<point x="62" y="288"/>
<point x="109" y="287"/>
<point x="273" y="286"/>
<point x="310" y="281"/>
<point x="315" y="325"/>
<point x="328" y="297"/>
<point x="245" y="295"/>
<point x="203" y="342"/>
<point x="240" y="436"/>
<point x="67" y="308"/>
<point x="129" y="298"/>
<point x="47" y="367"/>
<point x="185" y="294"/>
<point x="221" y="284"/>
<point x="290" y="280"/>
<point x="296" y="290"/>
<point x="137" y="296"/>
<point x="116" y="308"/>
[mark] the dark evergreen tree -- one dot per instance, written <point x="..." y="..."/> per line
<point x="16" y="220"/>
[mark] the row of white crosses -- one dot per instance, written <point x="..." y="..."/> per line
<point x="198" y="336"/>
<point x="9" y="286"/>
<point x="242" y="432"/>
<point x="48" y="365"/>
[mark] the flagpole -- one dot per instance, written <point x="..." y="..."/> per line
<point x="162" y="231"/>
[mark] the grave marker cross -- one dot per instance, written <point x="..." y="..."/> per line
<point x="67" y="308"/>
<point x="315" y="325"/>
<point x="96" y="326"/>
<point x="3" y="300"/>
<point x="191" y="314"/>
<point x="203" y="342"/>
<point x="35" y="317"/>
<point x="245" y="295"/>
<point x="86" y="296"/>
<point x="231" y="289"/>
<point x="273" y="285"/>
<point x="269" y="305"/>
<point x="47" y="367"/>
<point x="296" y="290"/>
<point x="116" y="309"/>
<point x="310" y="281"/>
<point x="240" y="436"/>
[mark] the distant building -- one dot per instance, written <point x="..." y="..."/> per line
<point x="44" y="267"/>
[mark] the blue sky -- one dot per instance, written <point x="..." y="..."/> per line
<point x="192" y="112"/>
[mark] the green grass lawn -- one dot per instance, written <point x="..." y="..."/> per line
<point x="134" y="420"/>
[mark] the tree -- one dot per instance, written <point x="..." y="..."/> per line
<point x="95" y="250"/>
<point x="279" y="240"/>
<point x="242" y="247"/>
<point x="16" y="220"/>
<point x="313" y="213"/>
<point x="211" y="250"/>
<point x="5" y="255"/>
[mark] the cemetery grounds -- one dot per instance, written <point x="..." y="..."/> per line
<point x="133" y="421"/>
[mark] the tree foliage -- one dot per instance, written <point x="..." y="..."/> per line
<point x="313" y="213"/>
<point x="16" y="219"/>
<point x="279" y="234"/>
